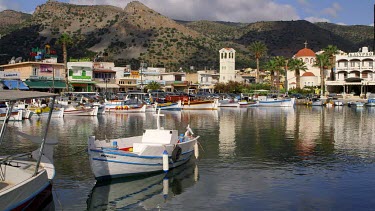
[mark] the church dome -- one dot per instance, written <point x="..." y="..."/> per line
<point x="306" y="52"/>
<point x="308" y="74"/>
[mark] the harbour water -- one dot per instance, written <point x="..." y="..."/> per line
<point x="256" y="158"/>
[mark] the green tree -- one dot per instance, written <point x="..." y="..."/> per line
<point x="271" y="66"/>
<point x="280" y="65"/>
<point x="258" y="49"/>
<point x="331" y="51"/>
<point x="322" y="61"/>
<point x="153" y="85"/>
<point x="65" y="40"/>
<point x="297" y="66"/>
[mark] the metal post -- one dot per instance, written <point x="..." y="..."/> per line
<point x="45" y="136"/>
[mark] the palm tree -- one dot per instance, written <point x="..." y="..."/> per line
<point x="297" y="66"/>
<point x="153" y="85"/>
<point x="322" y="61"/>
<point x="280" y="63"/>
<point x="331" y="51"/>
<point x="65" y="40"/>
<point x="259" y="49"/>
<point x="271" y="66"/>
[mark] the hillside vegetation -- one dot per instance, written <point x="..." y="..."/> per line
<point x="137" y="33"/>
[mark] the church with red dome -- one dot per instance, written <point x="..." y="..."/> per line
<point x="310" y="77"/>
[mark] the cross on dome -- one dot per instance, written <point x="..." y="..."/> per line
<point x="305" y="44"/>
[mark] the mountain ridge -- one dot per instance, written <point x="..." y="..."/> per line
<point x="137" y="33"/>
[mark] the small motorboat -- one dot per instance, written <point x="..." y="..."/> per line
<point x="156" y="150"/>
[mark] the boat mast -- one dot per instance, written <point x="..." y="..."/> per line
<point x="45" y="135"/>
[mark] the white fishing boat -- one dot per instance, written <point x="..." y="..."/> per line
<point x="156" y="150"/>
<point x="16" y="115"/>
<point x="44" y="112"/>
<point x="228" y="102"/>
<point x="26" y="178"/>
<point x="200" y="105"/>
<point x="276" y="102"/>
<point x="80" y="111"/>
<point x="169" y="106"/>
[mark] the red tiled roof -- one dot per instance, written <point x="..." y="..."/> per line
<point x="308" y="74"/>
<point x="305" y="52"/>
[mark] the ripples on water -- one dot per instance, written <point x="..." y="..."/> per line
<point x="255" y="158"/>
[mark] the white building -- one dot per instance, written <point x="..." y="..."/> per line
<point x="354" y="73"/>
<point x="310" y="77"/>
<point x="227" y="65"/>
<point x="207" y="80"/>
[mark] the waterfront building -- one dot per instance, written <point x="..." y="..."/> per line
<point x="207" y="80"/>
<point x="41" y="75"/>
<point x="354" y="74"/>
<point x="175" y="81"/>
<point x="80" y="76"/>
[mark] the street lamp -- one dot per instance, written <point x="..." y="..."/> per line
<point x="143" y="65"/>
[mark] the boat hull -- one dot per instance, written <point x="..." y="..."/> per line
<point x="113" y="163"/>
<point x="82" y="112"/>
<point x="15" y="116"/>
<point x="277" y="103"/>
<point x="31" y="193"/>
<point x="201" y="105"/>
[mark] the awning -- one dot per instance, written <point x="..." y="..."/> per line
<point x="15" y="84"/>
<point x="44" y="84"/>
<point x="82" y="82"/>
<point x="103" y="85"/>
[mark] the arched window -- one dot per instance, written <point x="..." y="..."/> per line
<point x="306" y="60"/>
<point x="311" y="61"/>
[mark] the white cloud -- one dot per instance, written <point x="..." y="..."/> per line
<point x="6" y="5"/>
<point x="316" y="19"/>
<point x="341" y="23"/>
<point x="222" y="10"/>
<point x="333" y="10"/>
<point x="2" y="5"/>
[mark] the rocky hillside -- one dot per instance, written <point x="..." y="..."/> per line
<point x="12" y="20"/>
<point x="137" y="33"/>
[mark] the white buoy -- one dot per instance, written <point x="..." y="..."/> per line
<point x="165" y="187"/>
<point x="165" y="161"/>
<point x="196" y="150"/>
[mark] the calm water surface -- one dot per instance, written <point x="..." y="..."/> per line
<point x="255" y="158"/>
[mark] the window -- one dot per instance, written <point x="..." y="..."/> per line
<point x="345" y="64"/>
<point x="178" y="78"/>
<point x="352" y="64"/>
<point x="365" y="75"/>
<point x="201" y="79"/>
<point x="370" y="63"/>
<point x="35" y="71"/>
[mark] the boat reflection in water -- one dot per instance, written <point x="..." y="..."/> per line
<point x="146" y="192"/>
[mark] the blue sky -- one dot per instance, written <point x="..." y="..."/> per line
<point x="347" y="12"/>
